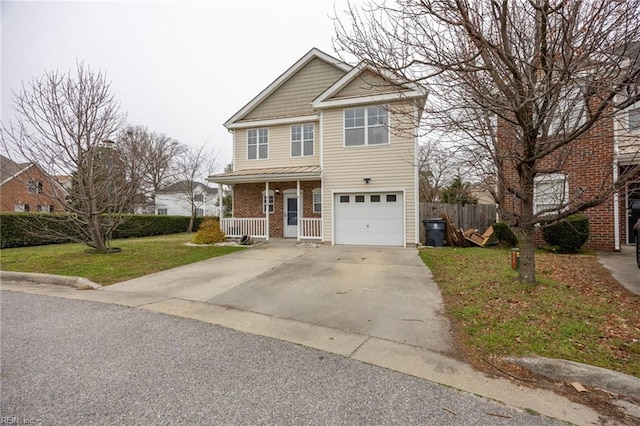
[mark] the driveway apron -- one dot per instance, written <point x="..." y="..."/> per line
<point x="382" y="292"/>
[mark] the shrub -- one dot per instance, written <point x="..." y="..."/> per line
<point x="569" y="234"/>
<point x="504" y="234"/>
<point x="209" y="232"/>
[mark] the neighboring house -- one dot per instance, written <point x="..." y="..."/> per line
<point x="24" y="187"/>
<point x="327" y="152"/>
<point x="175" y="199"/>
<point x="603" y="154"/>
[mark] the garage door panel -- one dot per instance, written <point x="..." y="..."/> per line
<point x="376" y="220"/>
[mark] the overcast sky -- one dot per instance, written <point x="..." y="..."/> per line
<point x="178" y="67"/>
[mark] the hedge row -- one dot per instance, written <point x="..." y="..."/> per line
<point x="30" y="229"/>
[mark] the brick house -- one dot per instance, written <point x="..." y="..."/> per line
<point x="24" y="187"/>
<point x="326" y="152"/>
<point x="603" y="154"/>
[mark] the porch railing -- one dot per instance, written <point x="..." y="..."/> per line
<point x="236" y="227"/>
<point x="310" y="228"/>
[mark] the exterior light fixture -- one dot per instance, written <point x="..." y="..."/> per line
<point x="366" y="180"/>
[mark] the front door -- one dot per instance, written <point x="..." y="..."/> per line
<point x="290" y="216"/>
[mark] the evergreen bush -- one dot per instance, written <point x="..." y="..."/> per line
<point x="504" y="234"/>
<point x="569" y="234"/>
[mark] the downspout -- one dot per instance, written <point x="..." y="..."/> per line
<point x="616" y="210"/>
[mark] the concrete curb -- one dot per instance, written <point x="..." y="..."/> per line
<point x="584" y="374"/>
<point x="79" y="283"/>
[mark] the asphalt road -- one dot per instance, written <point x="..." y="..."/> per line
<point x="74" y="362"/>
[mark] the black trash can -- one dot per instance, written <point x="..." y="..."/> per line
<point x="434" y="229"/>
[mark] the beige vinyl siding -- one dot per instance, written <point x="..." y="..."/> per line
<point x="365" y="84"/>
<point x="279" y="149"/>
<point x="294" y="97"/>
<point x="390" y="167"/>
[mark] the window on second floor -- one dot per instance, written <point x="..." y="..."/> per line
<point x="198" y="198"/>
<point x="550" y="192"/>
<point x="257" y="144"/>
<point x="569" y="113"/>
<point x="34" y="187"/>
<point x="634" y="119"/>
<point x="366" y="126"/>
<point x="302" y="140"/>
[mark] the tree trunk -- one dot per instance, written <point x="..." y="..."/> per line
<point x="96" y="233"/>
<point x="527" y="271"/>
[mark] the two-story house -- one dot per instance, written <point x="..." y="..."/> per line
<point x="178" y="198"/>
<point x="25" y="187"/>
<point x="327" y="151"/>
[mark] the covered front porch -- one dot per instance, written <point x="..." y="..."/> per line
<point x="273" y="202"/>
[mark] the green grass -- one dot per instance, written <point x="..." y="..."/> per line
<point x="494" y="314"/>
<point x="139" y="256"/>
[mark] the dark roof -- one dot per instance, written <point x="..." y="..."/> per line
<point x="9" y="168"/>
<point x="184" y="186"/>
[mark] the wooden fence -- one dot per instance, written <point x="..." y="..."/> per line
<point x="477" y="216"/>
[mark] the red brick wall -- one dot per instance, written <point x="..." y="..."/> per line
<point x="247" y="202"/>
<point x="16" y="191"/>
<point x="588" y="165"/>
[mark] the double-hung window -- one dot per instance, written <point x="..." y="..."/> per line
<point x="302" y="140"/>
<point x="634" y="118"/>
<point x="317" y="200"/>
<point x="366" y="126"/>
<point x="35" y="187"/>
<point x="550" y="192"/>
<point x="570" y="111"/>
<point x="267" y="202"/>
<point x="257" y="144"/>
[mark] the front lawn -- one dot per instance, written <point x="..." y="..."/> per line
<point x="577" y="311"/>
<point x="139" y="256"/>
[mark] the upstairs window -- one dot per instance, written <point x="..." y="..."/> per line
<point x="198" y="198"/>
<point x="634" y="119"/>
<point x="302" y="140"/>
<point x="257" y="144"/>
<point x="366" y="126"/>
<point x="34" y="187"/>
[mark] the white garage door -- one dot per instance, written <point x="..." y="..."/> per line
<point x="369" y="219"/>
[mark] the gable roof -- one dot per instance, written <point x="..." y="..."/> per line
<point x="184" y="186"/>
<point x="283" y="78"/>
<point x="10" y="169"/>
<point x="409" y="89"/>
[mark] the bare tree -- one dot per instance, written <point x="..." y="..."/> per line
<point x="528" y="85"/>
<point x="436" y="165"/>
<point x="150" y="159"/>
<point x="193" y="167"/>
<point x="64" y="124"/>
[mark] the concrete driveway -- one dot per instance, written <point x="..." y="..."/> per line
<point x="380" y="292"/>
<point x="623" y="266"/>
